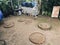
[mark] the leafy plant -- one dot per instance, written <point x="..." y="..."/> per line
<point x="47" y="5"/>
<point x="6" y="8"/>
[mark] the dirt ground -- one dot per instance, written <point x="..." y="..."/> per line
<point x="19" y="34"/>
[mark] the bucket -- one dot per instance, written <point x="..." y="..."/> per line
<point x="1" y="15"/>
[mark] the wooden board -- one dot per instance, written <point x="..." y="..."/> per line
<point x="55" y="12"/>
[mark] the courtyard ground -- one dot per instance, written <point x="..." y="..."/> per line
<point x="19" y="34"/>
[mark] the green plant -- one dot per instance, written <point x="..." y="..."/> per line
<point x="47" y="5"/>
<point x="6" y="8"/>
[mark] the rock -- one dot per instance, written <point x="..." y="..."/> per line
<point x="37" y="38"/>
<point x="44" y="26"/>
<point x="2" y="42"/>
<point x="35" y="17"/>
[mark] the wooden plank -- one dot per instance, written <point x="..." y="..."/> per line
<point x="55" y="12"/>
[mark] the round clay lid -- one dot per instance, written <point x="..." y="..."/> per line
<point x="28" y="21"/>
<point x="37" y="38"/>
<point x="44" y="26"/>
<point x="8" y="24"/>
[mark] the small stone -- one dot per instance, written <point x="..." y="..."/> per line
<point x="2" y="42"/>
<point x="35" y="17"/>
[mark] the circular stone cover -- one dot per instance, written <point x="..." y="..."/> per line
<point x="37" y="38"/>
<point x="8" y="24"/>
<point x="44" y="26"/>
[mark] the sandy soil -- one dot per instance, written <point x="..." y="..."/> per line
<point x="19" y="34"/>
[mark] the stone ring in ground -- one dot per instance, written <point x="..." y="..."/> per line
<point x="28" y="21"/>
<point x="37" y="38"/>
<point x="21" y="20"/>
<point x="44" y="26"/>
<point x="8" y="24"/>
